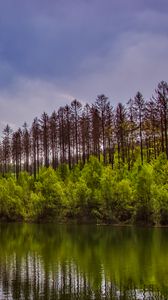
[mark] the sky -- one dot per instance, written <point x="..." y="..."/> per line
<point x="55" y="51"/>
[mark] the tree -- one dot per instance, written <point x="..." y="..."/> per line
<point x="110" y="134"/>
<point x="95" y="132"/>
<point x="53" y="129"/>
<point x="68" y="120"/>
<point x="85" y="132"/>
<point x="61" y="132"/>
<point x="44" y="126"/>
<point x="151" y="127"/>
<point x="35" y="137"/>
<point x="6" y="148"/>
<point x="132" y="129"/>
<point x="103" y="106"/>
<point x="162" y="99"/>
<point x="121" y="127"/>
<point x="26" y="146"/>
<point x="17" y="151"/>
<point x="139" y="107"/>
<point x="76" y="112"/>
<point x="105" y="112"/>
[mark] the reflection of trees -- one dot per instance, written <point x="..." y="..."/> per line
<point x="59" y="262"/>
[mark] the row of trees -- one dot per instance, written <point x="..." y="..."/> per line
<point x="75" y="132"/>
<point x="95" y="193"/>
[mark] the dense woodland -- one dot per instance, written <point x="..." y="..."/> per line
<point x="93" y="162"/>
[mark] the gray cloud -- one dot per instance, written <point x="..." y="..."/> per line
<point x="29" y="98"/>
<point x="50" y="40"/>
<point x="53" y="51"/>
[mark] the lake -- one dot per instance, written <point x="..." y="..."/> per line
<point x="83" y="262"/>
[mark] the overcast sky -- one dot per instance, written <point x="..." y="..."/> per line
<point x="52" y="52"/>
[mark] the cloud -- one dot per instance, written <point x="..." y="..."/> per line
<point x="27" y="99"/>
<point x="45" y="40"/>
<point x="141" y="63"/>
<point x="51" y="40"/>
<point x="54" y="51"/>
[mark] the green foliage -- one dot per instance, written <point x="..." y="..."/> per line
<point x="11" y="200"/>
<point x="52" y="192"/>
<point x="91" y="173"/>
<point x="117" y="195"/>
<point x="63" y="171"/>
<point x="123" y="197"/>
<point x="144" y="200"/>
<point x="75" y="173"/>
<point x="82" y="196"/>
<point x="160" y="198"/>
<point x="161" y="169"/>
<point x="94" y="192"/>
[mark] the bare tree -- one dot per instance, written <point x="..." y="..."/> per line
<point x="6" y="148"/>
<point x="139" y="109"/>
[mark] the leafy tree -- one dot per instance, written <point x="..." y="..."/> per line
<point x="144" y="200"/>
<point x="52" y="192"/>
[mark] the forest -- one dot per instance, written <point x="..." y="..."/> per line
<point x="89" y="163"/>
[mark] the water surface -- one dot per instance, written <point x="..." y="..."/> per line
<point x="83" y="262"/>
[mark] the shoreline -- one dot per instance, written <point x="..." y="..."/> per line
<point x="77" y="223"/>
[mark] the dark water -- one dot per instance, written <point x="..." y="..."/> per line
<point x="82" y="262"/>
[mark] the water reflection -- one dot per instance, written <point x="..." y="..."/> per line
<point x="82" y="262"/>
